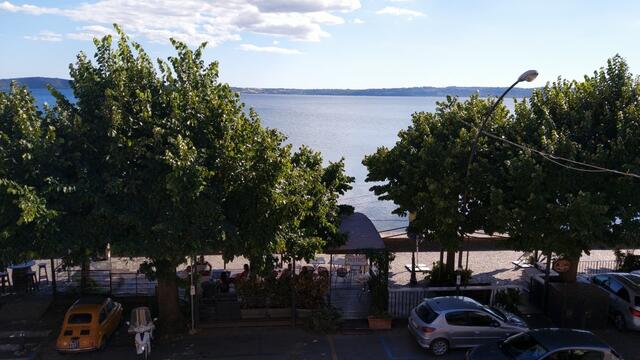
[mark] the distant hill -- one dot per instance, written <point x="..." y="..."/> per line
<point x="36" y="82"/>
<point x="41" y="83"/>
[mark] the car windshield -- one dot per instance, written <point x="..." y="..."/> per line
<point x="496" y="312"/>
<point x="425" y="313"/>
<point x="523" y="347"/>
<point x="79" y="319"/>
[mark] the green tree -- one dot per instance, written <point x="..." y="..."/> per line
<point x="549" y="204"/>
<point x="25" y="217"/>
<point x="424" y="173"/>
<point x="170" y="166"/>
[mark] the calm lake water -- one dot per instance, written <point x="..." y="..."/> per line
<point x="348" y="127"/>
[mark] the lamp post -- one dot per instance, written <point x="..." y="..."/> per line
<point x="527" y="76"/>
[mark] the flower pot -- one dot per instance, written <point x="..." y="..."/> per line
<point x="379" y="323"/>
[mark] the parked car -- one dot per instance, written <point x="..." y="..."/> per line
<point x="547" y="344"/>
<point x="88" y="324"/>
<point x="624" y="298"/>
<point x="455" y="321"/>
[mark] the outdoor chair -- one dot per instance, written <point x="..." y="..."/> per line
<point x="5" y="280"/>
<point x="41" y="267"/>
<point x="341" y="273"/>
<point x="32" y="281"/>
<point x="355" y="270"/>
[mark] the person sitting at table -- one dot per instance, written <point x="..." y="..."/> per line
<point x="224" y="282"/>
<point x="243" y="275"/>
<point x="202" y="266"/>
<point x="286" y="272"/>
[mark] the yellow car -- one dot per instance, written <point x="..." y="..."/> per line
<point x="88" y="324"/>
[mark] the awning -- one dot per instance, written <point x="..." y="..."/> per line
<point x="362" y="236"/>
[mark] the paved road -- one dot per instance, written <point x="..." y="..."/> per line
<point x="270" y="343"/>
<point x="289" y="343"/>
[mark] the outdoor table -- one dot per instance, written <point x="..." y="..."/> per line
<point x="21" y="275"/>
<point x="317" y="261"/>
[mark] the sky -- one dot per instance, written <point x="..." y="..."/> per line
<point x="336" y="43"/>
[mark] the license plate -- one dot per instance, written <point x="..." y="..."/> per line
<point x="74" y="344"/>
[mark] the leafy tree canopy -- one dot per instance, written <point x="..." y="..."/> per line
<point x="424" y="173"/>
<point x="565" y="207"/>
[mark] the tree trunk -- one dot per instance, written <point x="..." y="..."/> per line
<point x="170" y="319"/>
<point x="451" y="261"/>
<point x="84" y="276"/>
<point x="571" y="275"/>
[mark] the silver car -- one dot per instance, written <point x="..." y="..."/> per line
<point x="547" y="344"/>
<point x="455" y="321"/>
<point x="624" y="298"/>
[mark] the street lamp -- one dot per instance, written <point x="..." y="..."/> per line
<point x="527" y="76"/>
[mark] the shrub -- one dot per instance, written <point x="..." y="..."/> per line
<point x="508" y="299"/>
<point x="311" y="290"/>
<point x="627" y="261"/>
<point x="325" y="319"/>
<point x="439" y="276"/>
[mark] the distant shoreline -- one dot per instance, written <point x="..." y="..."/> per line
<point x="423" y="91"/>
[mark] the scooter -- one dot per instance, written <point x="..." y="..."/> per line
<point x="142" y="325"/>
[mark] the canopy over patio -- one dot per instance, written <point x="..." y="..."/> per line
<point x="362" y="236"/>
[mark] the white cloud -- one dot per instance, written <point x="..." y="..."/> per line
<point x="89" y="32"/>
<point x="195" y="21"/>
<point x="27" y="9"/>
<point x="392" y="10"/>
<point x="358" y="21"/>
<point x="45" y="35"/>
<point x="400" y="1"/>
<point x="306" y="5"/>
<point x="269" y="49"/>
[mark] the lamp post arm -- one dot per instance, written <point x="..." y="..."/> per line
<point x="474" y="144"/>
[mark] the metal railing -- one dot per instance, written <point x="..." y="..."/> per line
<point x="107" y="282"/>
<point x="403" y="300"/>
<point x="593" y="267"/>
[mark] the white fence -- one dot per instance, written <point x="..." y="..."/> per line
<point x="402" y="300"/>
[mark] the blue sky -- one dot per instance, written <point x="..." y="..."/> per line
<point x="337" y="43"/>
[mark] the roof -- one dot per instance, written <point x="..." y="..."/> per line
<point x="88" y="303"/>
<point x="555" y="339"/>
<point x="445" y="303"/>
<point x="361" y="235"/>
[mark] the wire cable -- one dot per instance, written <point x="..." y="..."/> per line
<point x="387" y="230"/>
<point x="554" y="158"/>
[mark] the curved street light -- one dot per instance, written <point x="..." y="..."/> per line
<point x="527" y="76"/>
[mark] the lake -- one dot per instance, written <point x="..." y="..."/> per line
<point x="337" y="126"/>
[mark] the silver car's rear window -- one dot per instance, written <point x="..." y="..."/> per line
<point x="426" y="313"/>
